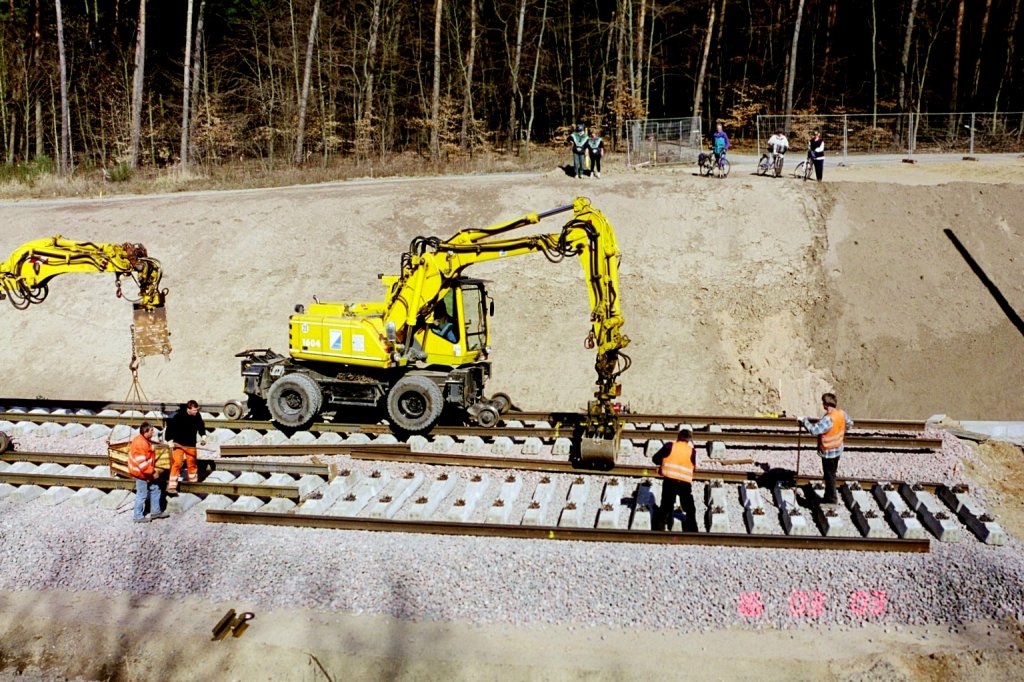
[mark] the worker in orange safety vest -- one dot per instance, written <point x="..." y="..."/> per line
<point x="831" y="430"/>
<point x="676" y="462"/>
<point x="142" y="467"/>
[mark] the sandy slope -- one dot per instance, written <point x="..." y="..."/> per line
<point x="744" y="295"/>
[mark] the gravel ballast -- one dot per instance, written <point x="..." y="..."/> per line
<point x="493" y="580"/>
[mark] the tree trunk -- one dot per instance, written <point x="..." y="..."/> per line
<point x="874" y="65"/>
<point x="370" y="64"/>
<point x="791" y="77"/>
<point x="65" y="113"/>
<point x="638" y="80"/>
<point x="435" y="95"/>
<point x="536" y="69"/>
<point x="1011" y="30"/>
<point x="37" y="63"/>
<point x="137" y="81"/>
<point x="699" y="93"/>
<point x="197" y="61"/>
<point x="956" y="70"/>
<point x="981" y="48"/>
<point x="905" y="60"/>
<point x="186" y="85"/>
<point x="516" y="94"/>
<point x="572" y="74"/>
<point x="300" y="137"/>
<point x="468" y="132"/>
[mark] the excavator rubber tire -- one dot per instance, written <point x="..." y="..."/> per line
<point x="294" y="400"/>
<point x="414" y="404"/>
<point x="501" y="402"/>
<point x="5" y="442"/>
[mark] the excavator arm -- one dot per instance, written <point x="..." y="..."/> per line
<point x="431" y="264"/>
<point x="25" y="279"/>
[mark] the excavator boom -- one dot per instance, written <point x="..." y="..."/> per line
<point x="25" y="280"/>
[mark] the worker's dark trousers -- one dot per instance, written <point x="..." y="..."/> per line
<point x="819" y="168"/>
<point x="829" y="465"/>
<point x="670" y="489"/>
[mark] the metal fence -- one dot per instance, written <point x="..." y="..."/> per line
<point x="941" y="133"/>
<point x="651" y="142"/>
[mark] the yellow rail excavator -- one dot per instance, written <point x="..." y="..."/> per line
<point x="424" y="349"/>
<point x="25" y="280"/>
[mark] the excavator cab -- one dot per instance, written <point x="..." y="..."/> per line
<point x="456" y="331"/>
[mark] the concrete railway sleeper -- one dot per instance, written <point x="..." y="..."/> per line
<point x="876" y="512"/>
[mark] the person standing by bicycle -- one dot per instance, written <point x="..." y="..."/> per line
<point x="816" y="154"/>
<point x="719" y="144"/>
<point x="777" y="147"/>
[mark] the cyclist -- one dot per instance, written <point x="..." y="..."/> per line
<point x="720" y="145"/>
<point x="777" y="147"/>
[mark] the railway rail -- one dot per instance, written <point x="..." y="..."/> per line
<point x="616" y="509"/>
<point x="783" y="435"/>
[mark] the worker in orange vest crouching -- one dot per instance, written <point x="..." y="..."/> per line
<point x="183" y="430"/>
<point x="142" y="467"/>
<point x="831" y="430"/>
<point x="676" y="462"/>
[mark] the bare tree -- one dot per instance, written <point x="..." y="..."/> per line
<point x="197" y="69"/>
<point x="905" y="61"/>
<point x="956" y="68"/>
<point x="874" y="65"/>
<point x="137" y="80"/>
<point x="699" y="92"/>
<point x="516" y="93"/>
<point x="791" y="77"/>
<point x="536" y="68"/>
<point x="186" y="85"/>
<point x="1011" y="30"/>
<point x="65" y="114"/>
<point x="435" y="96"/>
<point x="981" y="48"/>
<point x="300" y="137"/>
<point x="468" y="117"/>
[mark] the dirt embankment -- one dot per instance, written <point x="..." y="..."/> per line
<point x="742" y="295"/>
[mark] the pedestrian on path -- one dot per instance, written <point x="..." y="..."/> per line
<point x="817" y="153"/>
<point x="578" y="142"/>
<point x="595" y="148"/>
<point x="831" y="430"/>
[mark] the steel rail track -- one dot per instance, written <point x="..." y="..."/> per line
<point x="563" y="467"/>
<point x="205" y="465"/>
<point x="111" y="483"/>
<point x="550" y="416"/>
<point x="791" y="438"/>
<point x="576" y="534"/>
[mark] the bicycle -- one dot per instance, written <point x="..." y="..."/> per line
<point x="706" y="165"/>
<point x="805" y="168"/>
<point x="767" y="163"/>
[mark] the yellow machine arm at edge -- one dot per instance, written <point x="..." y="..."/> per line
<point x="25" y="276"/>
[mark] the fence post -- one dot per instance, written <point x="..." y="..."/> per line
<point x="972" y="134"/>
<point x="846" y="128"/>
<point x="910" y="133"/>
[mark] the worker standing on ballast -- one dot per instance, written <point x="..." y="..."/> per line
<point x="142" y="467"/>
<point x="183" y="430"/>
<point x="831" y="430"/>
<point x="676" y="462"/>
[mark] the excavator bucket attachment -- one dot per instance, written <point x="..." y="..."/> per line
<point x="598" y="453"/>
<point x="149" y="332"/>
